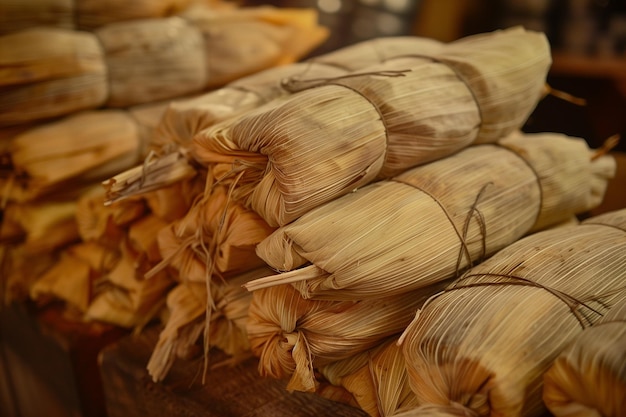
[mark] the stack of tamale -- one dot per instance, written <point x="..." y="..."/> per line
<point x="54" y="71"/>
<point x="52" y="201"/>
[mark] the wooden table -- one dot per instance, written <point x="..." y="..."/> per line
<point x="235" y="391"/>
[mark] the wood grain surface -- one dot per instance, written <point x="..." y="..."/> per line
<point x="229" y="390"/>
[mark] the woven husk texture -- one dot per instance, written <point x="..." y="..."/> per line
<point x="484" y="343"/>
<point x="50" y="72"/>
<point x="589" y="375"/>
<point x="433" y="221"/>
<point x="340" y="134"/>
<point x="17" y="15"/>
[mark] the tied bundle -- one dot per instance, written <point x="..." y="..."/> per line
<point x="482" y="346"/>
<point x="333" y="136"/>
<point x="186" y="320"/>
<point x="80" y="14"/>
<point x="430" y="223"/>
<point x="292" y="336"/>
<point x="588" y="377"/>
<point x="376" y="378"/>
<point x="50" y="72"/>
<point x="170" y="158"/>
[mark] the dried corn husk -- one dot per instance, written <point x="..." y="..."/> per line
<point x="46" y="226"/>
<point x="185" y="118"/>
<point x="324" y="142"/>
<point x="91" y="14"/>
<point x="71" y="278"/>
<point x="81" y="149"/>
<point x="377" y="379"/>
<point x="128" y="298"/>
<point x="152" y="59"/>
<point x="433" y="221"/>
<point x="252" y="39"/>
<point x="187" y="311"/>
<point x="292" y="335"/>
<point x="50" y="72"/>
<point x="588" y="376"/>
<point x="17" y="15"/>
<point x="19" y="272"/>
<point x="482" y="346"/>
<point x="106" y="224"/>
<point x="216" y="236"/>
<point x="87" y="14"/>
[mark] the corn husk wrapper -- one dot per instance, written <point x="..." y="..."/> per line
<point x="327" y="140"/>
<point x="184" y="118"/>
<point x="106" y="224"/>
<point x="152" y="59"/>
<point x="46" y="226"/>
<point x="78" y="150"/>
<point x="129" y="300"/>
<point x="588" y="377"/>
<point x="432" y="222"/>
<point x="19" y="272"/>
<point x="85" y="14"/>
<point x="216" y="236"/>
<point x="292" y="335"/>
<point x="50" y="72"/>
<point x="16" y="15"/>
<point x="71" y="278"/>
<point x="92" y="14"/>
<point x="377" y="379"/>
<point x="243" y="41"/>
<point x="187" y="307"/>
<point x="483" y="344"/>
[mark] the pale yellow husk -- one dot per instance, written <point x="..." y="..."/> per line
<point x="50" y="72"/>
<point x="292" y="335"/>
<point x="78" y="150"/>
<point x="91" y="14"/>
<point x="432" y="222"/>
<point x="216" y="236"/>
<point x="184" y="118"/>
<point x="484" y="343"/>
<point x="84" y="14"/>
<point x="243" y="41"/>
<point x="340" y="134"/>
<point x="187" y="306"/>
<point x="589" y="376"/>
<point x="377" y="379"/>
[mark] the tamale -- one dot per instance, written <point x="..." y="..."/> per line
<point x="481" y="346"/>
<point x="340" y="134"/>
<point x="19" y="272"/>
<point x="243" y="41"/>
<point x="84" y="14"/>
<point x="187" y="306"/>
<point x="432" y="222"/>
<point x="377" y="379"/>
<point x="81" y="149"/>
<point x="126" y="298"/>
<point x="71" y="278"/>
<point x="91" y="14"/>
<point x="17" y="15"/>
<point x="186" y="117"/>
<point x="106" y="224"/>
<point x="152" y="59"/>
<point x="292" y="336"/>
<point x="589" y="375"/>
<point x="215" y="236"/>
<point x="49" y="72"/>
